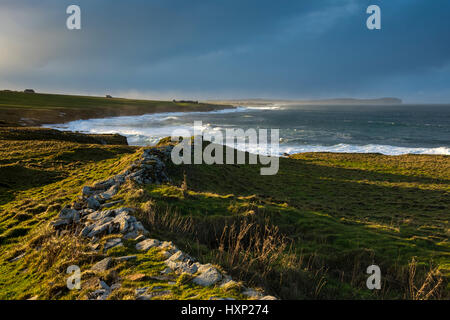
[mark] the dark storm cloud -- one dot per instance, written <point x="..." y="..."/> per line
<point x="232" y="48"/>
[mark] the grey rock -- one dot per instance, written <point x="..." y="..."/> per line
<point x="147" y="244"/>
<point x="97" y="294"/>
<point x="251" y="293"/>
<point x="100" y="229"/>
<point x="103" y="185"/>
<point x="92" y="203"/>
<point x="167" y="271"/>
<point x="187" y="268"/>
<point x="111" y="204"/>
<point x="109" y="193"/>
<point x="140" y="238"/>
<point x="131" y="235"/>
<point x="86" y="230"/>
<point x="115" y="286"/>
<point x="67" y="214"/>
<point x="125" y="258"/>
<point x="141" y="291"/>
<point x="178" y="256"/>
<point x="103" y="265"/>
<point x="208" y="277"/>
<point x="268" y="298"/>
<point x="104" y="285"/>
<point x="60" y="223"/>
<point x="112" y="243"/>
<point x="87" y="191"/>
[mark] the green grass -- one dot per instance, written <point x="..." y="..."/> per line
<point x="339" y="213"/>
<point x="345" y="210"/>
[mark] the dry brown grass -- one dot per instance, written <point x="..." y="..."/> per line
<point x="426" y="287"/>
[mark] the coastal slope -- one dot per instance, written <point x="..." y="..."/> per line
<point x="308" y="232"/>
<point x="34" y="109"/>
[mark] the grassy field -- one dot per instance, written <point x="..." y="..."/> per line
<point x="337" y="214"/>
<point x="309" y="232"/>
<point x="32" y="109"/>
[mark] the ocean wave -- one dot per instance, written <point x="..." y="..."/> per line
<point x="369" y="148"/>
<point x="147" y="129"/>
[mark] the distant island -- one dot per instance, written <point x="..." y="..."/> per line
<point x="338" y="101"/>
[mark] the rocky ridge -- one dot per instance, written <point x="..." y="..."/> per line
<point x="92" y="218"/>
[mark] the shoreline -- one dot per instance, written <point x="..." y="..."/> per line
<point x="25" y="110"/>
<point x="20" y="109"/>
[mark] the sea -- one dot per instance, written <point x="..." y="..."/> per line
<point x="385" y="129"/>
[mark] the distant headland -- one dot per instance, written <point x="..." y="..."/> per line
<point x="338" y="101"/>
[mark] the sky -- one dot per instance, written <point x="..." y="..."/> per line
<point x="228" y="49"/>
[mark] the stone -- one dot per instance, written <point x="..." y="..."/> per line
<point x="268" y="298"/>
<point x="131" y="235"/>
<point x="77" y="205"/>
<point x="178" y="256"/>
<point x="60" y="223"/>
<point x="104" y="285"/>
<point x="140" y="238"/>
<point x="92" y="203"/>
<point x="125" y="258"/>
<point x="76" y="217"/>
<point x="156" y="294"/>
<point x="112" y="243"/>
<point x="86" y="230"/>
<point x="103" y="185"/>
<point x="208" y="277"/>
<point x="182" y="266"/>
<point x="115" y="286"/>
<point x="141" y="291"/>
<point x="109" y="193"/>
<point x="147" y="244"/>
<point x="101" y="229"/>
<point x="251" y="293"/>
<point x="167" y="245"/>
<point x="67" y="214"/>
<point x="167" y="271"/>
<point x="161" y="278"/>
<point x="111" y="204"/>
<point x="166" y="254"/>
<point x="87" y="191"/>
<point x="103" y="265"/>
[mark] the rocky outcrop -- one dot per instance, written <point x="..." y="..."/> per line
<point x="92" y="219"/>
